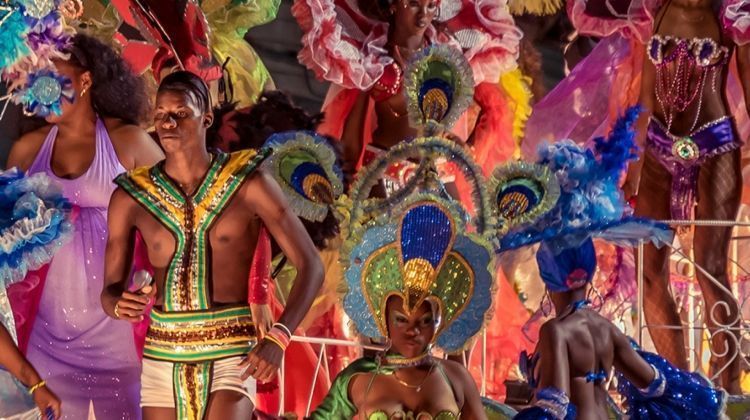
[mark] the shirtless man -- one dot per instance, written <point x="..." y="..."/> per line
<point x="199" y="215"/>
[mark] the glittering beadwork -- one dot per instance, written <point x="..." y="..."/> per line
<point x="522" y="192"/>
<point x="439" y="86"/>
<point x="420" y="249"/>
<point x="305" y="166"/>
<point x="198" y="336"/>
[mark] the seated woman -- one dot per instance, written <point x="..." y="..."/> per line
<point x="579" y="348"/>
<point x="416" y="279"/>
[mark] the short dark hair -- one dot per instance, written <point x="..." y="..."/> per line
<point x="116" y="91"/>
<point x="190" y="84"/>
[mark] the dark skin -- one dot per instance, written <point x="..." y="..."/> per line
<point x="13" y="361"/>
<point x="76" y="136"/>
<point x="181" y="125"/>
<point x="574" y="344"/>
<point x="719" y="193"/>
<point x="410" y="333"/>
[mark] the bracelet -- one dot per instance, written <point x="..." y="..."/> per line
<point x="117" y="310"/>
<point x="275" y="341"/>
<point x="37" y="386"/>
<point x="283" y="328"/>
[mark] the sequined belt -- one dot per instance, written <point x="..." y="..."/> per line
<point x="683" y="155"/>
<point x="199" y="336"/>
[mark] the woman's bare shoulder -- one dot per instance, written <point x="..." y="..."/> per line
<point x="25" y="149"/>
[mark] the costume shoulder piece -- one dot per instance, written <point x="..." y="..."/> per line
<point x="421" y="249"/>
<point x="304" y="164"/>
<point x="154" y="190"/>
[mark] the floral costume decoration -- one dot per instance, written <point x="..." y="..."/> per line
<point x="32" y="34"/>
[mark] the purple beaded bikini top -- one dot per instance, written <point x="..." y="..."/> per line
<point x="705" y="52"/>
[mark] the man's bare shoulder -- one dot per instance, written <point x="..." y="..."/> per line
<point x="26" y="148"/>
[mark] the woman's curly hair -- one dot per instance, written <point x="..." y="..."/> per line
<point x="116" y="92"/>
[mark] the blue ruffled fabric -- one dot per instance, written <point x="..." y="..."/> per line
<point x="551" y="404"/>
<point x="34" y="223"/>
<point x="591" y="203"/>
<point x="685" y="395"/>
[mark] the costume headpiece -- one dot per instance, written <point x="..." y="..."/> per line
<point x="304" y="164"/>
<point x="570" y="269"/>
<point x="590" y="204"/>
<point x="422" y="249"/>
<point x="32" y="34"/>
<point x="439" y="86"/>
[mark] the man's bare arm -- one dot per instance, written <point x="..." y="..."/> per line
<point x="271" y="206"/>
<point x="118" y="260"/>
<point x="267" y="200"/>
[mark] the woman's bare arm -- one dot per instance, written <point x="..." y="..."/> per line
<point x="629" y="363"/>
<point x="554" y="369"/>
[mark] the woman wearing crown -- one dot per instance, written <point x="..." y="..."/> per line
<point x="363" y="48"/>
<point x="417" y="281"/>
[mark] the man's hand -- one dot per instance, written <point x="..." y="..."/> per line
<point x="262" y="318"/>
<point x="47" y="400"/>
<point x="262" y="362"/>
<point x="132" y="305"/>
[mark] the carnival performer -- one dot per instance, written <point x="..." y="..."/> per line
<point x="77" y="349"/>
<point x="34" y="224"/>
<point x="199" y="214"/>
<point x="418" y="276"/>
<point x="692" y="95"/>
<point x="578" y="349"/>
<point x="363" y="48"/>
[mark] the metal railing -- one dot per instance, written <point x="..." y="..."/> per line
<point x="697" y="314"/>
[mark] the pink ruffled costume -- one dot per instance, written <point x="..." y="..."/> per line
<point x="348" y="49"/>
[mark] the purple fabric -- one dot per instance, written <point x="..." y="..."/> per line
<point x="712" y="139"/>
<point x="81" y="353"/>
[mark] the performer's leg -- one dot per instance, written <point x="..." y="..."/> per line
<point x="719" y="191"/>
<point x="229" y="405"/>
<point x="660" y="309"/>
<point x="158" y="413"/>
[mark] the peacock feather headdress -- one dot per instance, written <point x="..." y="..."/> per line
<point x="439" y="86"/>
<point x="304" y="164"/>
<point x="522" y="192"/>
<point x="421" y="248"/>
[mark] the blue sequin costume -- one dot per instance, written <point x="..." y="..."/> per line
<point x="591" y="205"/>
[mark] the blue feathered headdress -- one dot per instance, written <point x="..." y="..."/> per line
<point x="590" y="203"/>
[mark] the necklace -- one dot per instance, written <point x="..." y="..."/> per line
<point x="418" y="388"/>
<point x="398" y="361"/>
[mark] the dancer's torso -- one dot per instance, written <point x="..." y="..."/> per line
<point x="700" y="34"/>
<point x="227" y="239"/>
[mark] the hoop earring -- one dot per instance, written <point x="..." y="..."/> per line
<point x="597" y="296"/>
<point x="546" y="299"/>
